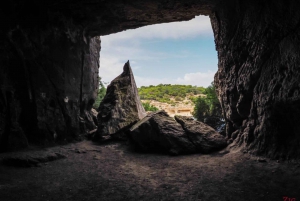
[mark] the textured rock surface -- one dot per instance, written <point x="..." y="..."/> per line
<point x="160" y="132"/>
<point x="121" y="107"/>
<point x="258" y="80"/>
<point x="50" y="68"/>
<point x="205" y="138"/>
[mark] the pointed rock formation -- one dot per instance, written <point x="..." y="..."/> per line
<point x="121" y="106"/>
<point x="205" y="138"/>
<point x="158" y="132"/>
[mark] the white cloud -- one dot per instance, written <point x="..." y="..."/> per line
<point x="197" y="78"/>
<point x="110" y="68"/>
<point x="146" y="81"/>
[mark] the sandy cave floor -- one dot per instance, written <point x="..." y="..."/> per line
<point x="114" y="172"/>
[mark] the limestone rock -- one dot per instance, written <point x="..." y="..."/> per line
<point x="159" y="132"/>
<point x="121" y="106"/>
<point x="204" y="137"/>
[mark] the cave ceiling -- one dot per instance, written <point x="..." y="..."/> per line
<point x="102" y="17"/>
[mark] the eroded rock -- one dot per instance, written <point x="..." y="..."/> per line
<point x="160" y="132"/>
<point x="121" y="106"/>
<point x="204" y="137"/>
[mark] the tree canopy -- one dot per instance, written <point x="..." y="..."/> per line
<point x="163" y="92"/>
<point x="207" y="106"/>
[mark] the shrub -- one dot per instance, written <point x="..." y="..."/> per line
<point x="148" y="107"/>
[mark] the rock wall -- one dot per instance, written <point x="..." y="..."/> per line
<point x="46" y="72"/>
<point x="258" y="79"/>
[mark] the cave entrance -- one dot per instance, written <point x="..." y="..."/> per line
<point x="181" y="53"/>
<point x="169" y="53"/>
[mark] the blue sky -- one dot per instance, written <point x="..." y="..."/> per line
<point x="171" y="53"/>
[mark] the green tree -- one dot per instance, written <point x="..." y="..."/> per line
<point x="213" y="101"/>
<point x="201" y="110"/>
<point x="207" y="106"/>
<point x="101" y="94"/>
<point x="148" y="107"/>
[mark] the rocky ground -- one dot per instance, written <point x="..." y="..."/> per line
<point x="114" y="172"/>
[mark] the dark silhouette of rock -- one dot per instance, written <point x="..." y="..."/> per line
<point x="159" y="132"/>
<point x="121" y="107"/>
<point x="205" y="138"/>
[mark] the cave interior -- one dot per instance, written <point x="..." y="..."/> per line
<point x="49" y="61"/>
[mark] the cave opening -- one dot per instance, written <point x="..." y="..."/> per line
<point x="169" y="53"/>
<point x="180" y="54"/>
<point x="173" y="65"/>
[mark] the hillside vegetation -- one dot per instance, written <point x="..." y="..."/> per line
<point x="205" y="99"/>
<point x="167" y="93"/>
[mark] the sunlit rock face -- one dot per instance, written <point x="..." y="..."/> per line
<point x="258" y="79"/>
<point x="49" y="58"/>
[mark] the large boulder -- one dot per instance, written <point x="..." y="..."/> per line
<point x="204" y="137"/>
<point x="159" y="132"/>
<point x="121" y="107"/>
